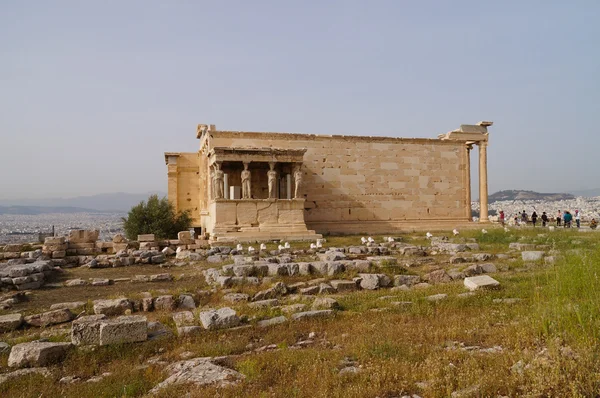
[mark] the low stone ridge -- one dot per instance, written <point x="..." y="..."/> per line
<point x="71" y="306"/>
<point x="222" y="318"/>
<point x="312" y="314"/>
<point x="438" y="276"/>
<point x="236" y="297"/>
<point x="199" y="372"/>
<point x="325" y="303"/>
<point x="343" y="285"/>
<point x="165" y="303"/>
<point x="6" y="377"/>
<point x="408" y="280"/>
<point x="25" y="276"/>
<point x="263" y="303"/>
<point x="37" y="354"/>
<point x="184" y="331"/>
<point x="10" y="322"/>
<point x="437" y="297"/>
<point x="374" y="281"/>
<point x="184" y="318"/>
<point x="112" y="307"/>
<point x="49" y="318"/>
<point x="272" y="321"/>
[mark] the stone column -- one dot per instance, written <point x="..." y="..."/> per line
<point x="288" y="178"/>
<point x="226" y="185"/>
<point x="468" y="183"/>
<point x="483" y="183"/>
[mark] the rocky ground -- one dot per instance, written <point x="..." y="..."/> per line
<point x="501" y="313"/>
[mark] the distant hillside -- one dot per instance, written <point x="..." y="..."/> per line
<point x="118" y="201"/>
<point x="527" y="195"/>
<point x="588" y="193"/>
<point x="35" y="210"/>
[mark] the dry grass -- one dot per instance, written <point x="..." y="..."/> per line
<point x="548" y="339"/>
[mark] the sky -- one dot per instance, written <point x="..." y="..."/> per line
<point x="93" y="93"/>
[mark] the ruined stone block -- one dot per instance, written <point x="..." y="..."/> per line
<point x="146" y="238"/>
<point x="124" y="329"/>
<point x="86" y="330"/>
<point x="83" y="236"/>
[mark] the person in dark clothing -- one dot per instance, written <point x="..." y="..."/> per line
<point x="558" y="218"/>
<point x="524" y="217"/>
<point x="568" y="219"/>
<point x="534" y="217"/>
<point x="544" y="219"/>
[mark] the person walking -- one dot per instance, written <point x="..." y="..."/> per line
<point x="578" y="218"/>
<point x="534" y="217"/>
<point x="524" y="217"/>
<point x="544" y="219"/>
<point x="502" y="217"/>
<point x="558" y="218"/>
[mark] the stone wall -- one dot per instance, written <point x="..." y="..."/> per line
<point x="184" y="179"/>
<point x="371" y="184"/>
<point x="26" y="266"/>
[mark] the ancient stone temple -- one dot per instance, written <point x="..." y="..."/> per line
<point x="254" y="185"/>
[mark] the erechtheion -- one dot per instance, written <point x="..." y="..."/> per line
<point x="253" y="185"/>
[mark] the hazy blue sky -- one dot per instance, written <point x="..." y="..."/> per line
<point x="93" y="93"/>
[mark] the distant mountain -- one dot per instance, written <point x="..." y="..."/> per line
<point x="588" y="193"/>
<point x="118" y="201"/>
<point x="35" y="210"/>
<point x="527" y="195"/>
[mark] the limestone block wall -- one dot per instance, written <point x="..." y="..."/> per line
<point x="184" y="184"/>
<point x="264" y="214"/>
<point x="371" y="184"/>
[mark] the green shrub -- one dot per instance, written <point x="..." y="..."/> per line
<point x="156" y="216"/>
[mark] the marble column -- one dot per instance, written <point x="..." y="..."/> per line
<point x="468" y="183"/>
<point x="226" y="185"/>
<point x="288" y="178"/>
<point x="483" y="183"/>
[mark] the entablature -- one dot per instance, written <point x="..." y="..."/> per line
<point x="247" y="154"/>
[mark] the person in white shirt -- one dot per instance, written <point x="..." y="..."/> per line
<point x="578" y="218"/>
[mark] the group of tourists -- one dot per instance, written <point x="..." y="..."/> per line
<point x="564" y="218"/>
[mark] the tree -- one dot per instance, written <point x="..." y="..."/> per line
<point x="156" y="216"/>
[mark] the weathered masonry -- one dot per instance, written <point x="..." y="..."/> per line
<point x="252" y="185"/>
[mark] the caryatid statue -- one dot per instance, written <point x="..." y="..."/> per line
<point x="246" y="191"/>
<point x="272" y="179"/>
<point x="297" y="181"/>
<point x="212" y="183"/>
<point x="219" y="181"/>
